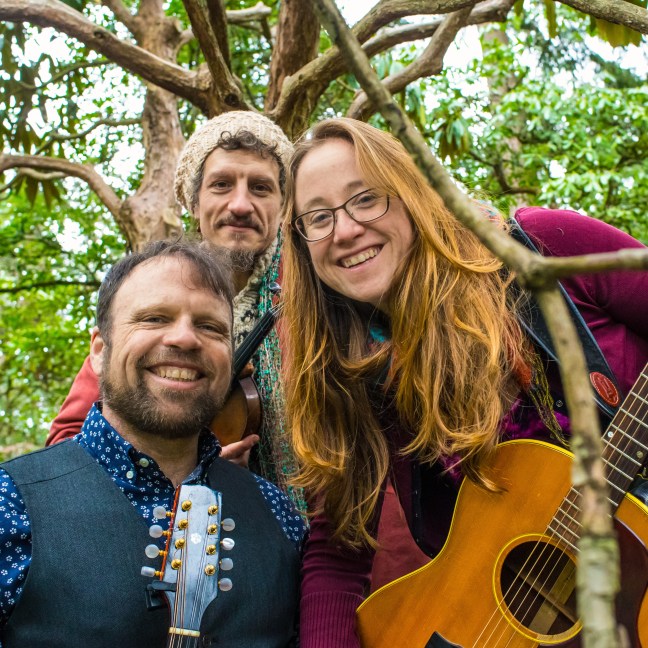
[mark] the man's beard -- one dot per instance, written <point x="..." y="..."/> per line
<point x="240" y="260"/>
<point x="139" y="408"/>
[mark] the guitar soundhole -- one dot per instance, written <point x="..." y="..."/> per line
<point x="538" y="583"/>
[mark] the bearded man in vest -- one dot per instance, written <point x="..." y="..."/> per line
<point x="75" y="517"/>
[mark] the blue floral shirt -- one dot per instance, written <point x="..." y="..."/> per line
<point x="138" y="476"/>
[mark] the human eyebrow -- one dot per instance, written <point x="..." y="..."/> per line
<point x="317" y="202"/>
<point x="261" y="179"/>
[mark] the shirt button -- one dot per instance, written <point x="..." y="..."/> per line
<point x="130" y="474"/>
<point x="144" y="462"/>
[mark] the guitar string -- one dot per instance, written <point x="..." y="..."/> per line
<point x="501" y="619"/>
<point x="537" y="587"/>
<point x="196" y="616"/>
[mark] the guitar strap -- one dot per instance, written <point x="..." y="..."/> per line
<point x="606" y="389"/>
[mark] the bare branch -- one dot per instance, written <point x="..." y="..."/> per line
<point x="597" y="534"/>
<point x="259" y="12"/>
<point x="208" y="25"/>
<point x="614" y="11"/>
<point x="54" y="13"/>
<point x="122" y="13"/>
<point x="499" y="243"/>
<point x="59" y="137"/>
<point x="387" y="11"/>
<point x="307" y="86"/>
<point x="297" y="43"/>
<point x="429" y="63"/>
<point x="576" y="385"/>
<point x="82" y="171"/>
<point x="241" y="17"/>
<point x="38" y="175"/>
<point x="556" y="268"/>
<point x="49" y="284"/>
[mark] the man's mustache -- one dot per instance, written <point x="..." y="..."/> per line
<point x="239" y="221"/>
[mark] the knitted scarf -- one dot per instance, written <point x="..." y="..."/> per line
<point x="273" y="457"/>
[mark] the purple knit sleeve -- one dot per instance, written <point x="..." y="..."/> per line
<point x="613" y="304"/>
<point x="334" y="582"/>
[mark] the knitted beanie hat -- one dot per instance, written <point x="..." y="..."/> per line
<point x="207" y="138"/>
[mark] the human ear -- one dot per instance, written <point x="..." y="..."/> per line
<point x="97" y="350"/>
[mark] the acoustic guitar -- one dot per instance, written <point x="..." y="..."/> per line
<point x="505" y="576"/>
<point x="189" y="576"/>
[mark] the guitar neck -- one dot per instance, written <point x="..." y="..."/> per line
<point x="625" y="452"/>
<point x="626" y="440"/>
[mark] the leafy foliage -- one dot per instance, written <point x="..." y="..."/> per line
<point x="51" y="263"/>
<point x="545" y="117"/>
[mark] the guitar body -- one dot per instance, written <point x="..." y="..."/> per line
<point x="501" y="579"/>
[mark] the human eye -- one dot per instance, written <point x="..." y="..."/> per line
<point x="366" y="199"/>
<point x="261" y="189"/>
<point x="319" y="219"/>
<point x="220" y="185"/>
<point x="214" y="328"/>
<point x="151" y="318"/>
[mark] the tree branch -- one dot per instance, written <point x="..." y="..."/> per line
<point x="56" y="14"/>
<point x="308" y="85"/>
<point x="258" y="13"/>
<point x="58" y="137"/>
<point x="208" y="25"/>
<point x="555" y="268"/>
<point x="82" y="171"/>
<point x="429" y="63"/>
<point x="297" y="44"/>
<point x="39" y="175"/>
<point x="242" y="18"/>
<point x="122" y="13"/>
<point x="614" y="11"/>
<point x="48" y="284"/>
<point x="387" y="11"/>
<point x="597" y="524"/>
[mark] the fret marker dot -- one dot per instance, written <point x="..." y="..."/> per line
<point x="640" y="454"/>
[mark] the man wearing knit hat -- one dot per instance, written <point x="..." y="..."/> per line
<point x="230" y="177"/>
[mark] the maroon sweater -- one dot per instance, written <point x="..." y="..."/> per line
<point x="614" y="305"/>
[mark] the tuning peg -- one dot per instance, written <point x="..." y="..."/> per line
<point x="153" y="551"/>
<point x="227" y="544"/>
<point x="224" y="584"/>
<point x="226" y="564"/>
<point x="150" y="572"/>
<point x="156" y="531"/>
<point x="159" y="513"/>
<point x="228" y="524"/>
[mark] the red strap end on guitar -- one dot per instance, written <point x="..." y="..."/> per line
<point x="605" y="388"/>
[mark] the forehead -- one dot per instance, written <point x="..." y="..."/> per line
<point x="241" y="161"/>
<point x="166" y="282"/>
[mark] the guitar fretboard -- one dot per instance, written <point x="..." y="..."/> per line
<point x="625" y="451"/>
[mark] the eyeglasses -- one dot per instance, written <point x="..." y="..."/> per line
<point x="364" y="207"/>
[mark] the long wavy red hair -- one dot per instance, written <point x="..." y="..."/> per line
<point x="454" y="340"/>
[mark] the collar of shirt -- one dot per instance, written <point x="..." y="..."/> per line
<point x="124" y="462"/>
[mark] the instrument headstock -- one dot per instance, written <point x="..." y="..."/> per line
<point x="190" y="573"/>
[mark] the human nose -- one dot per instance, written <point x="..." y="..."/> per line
<point x="345" y="228"/>
<point x="182" y="335"/>
<point x="240" y="202"/>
